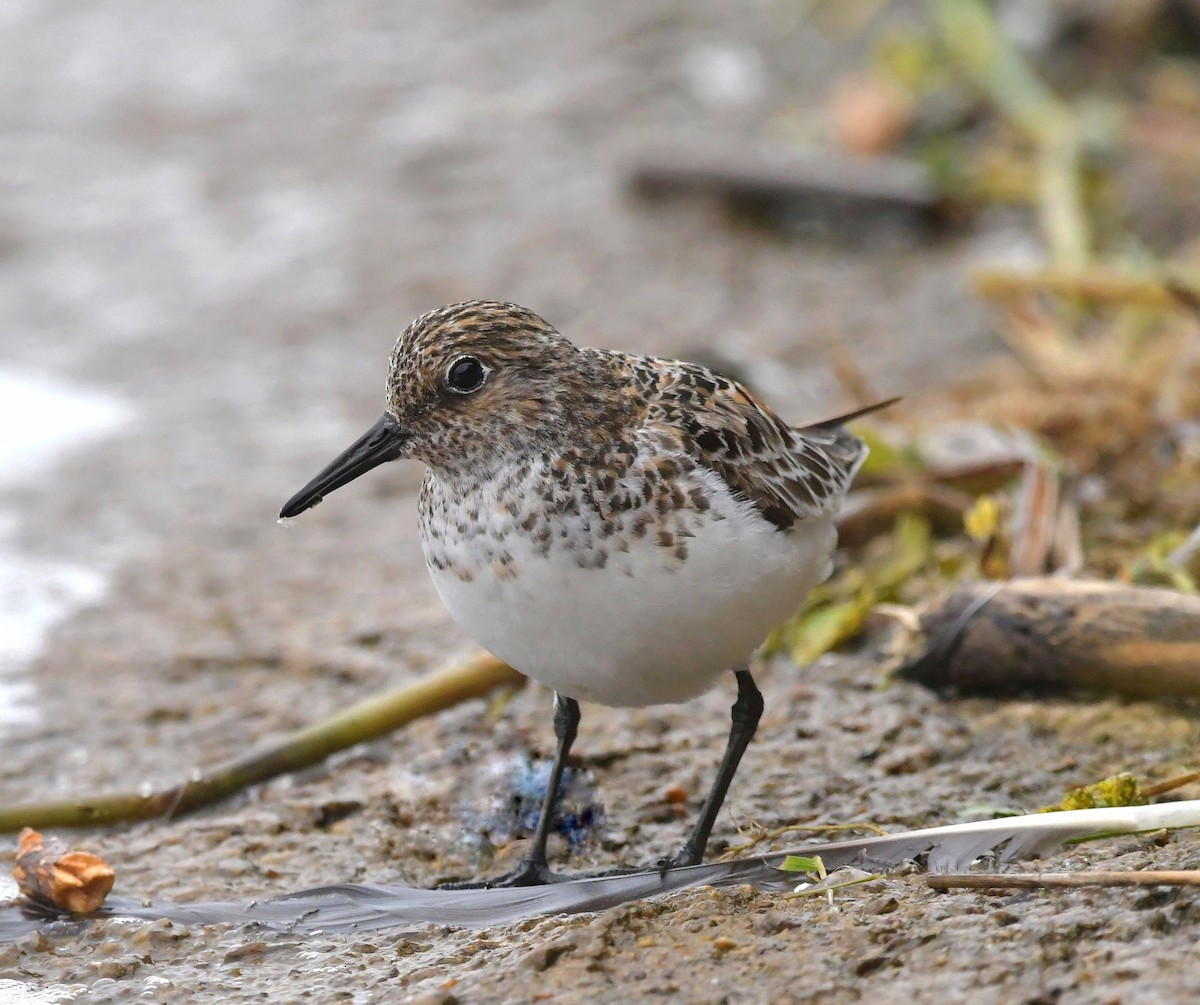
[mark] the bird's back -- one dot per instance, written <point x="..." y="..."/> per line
<point x="789" y="474"/>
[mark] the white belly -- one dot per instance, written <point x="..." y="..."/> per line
<point x="647" y="628"/>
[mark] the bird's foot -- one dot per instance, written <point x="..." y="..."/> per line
<point x="687" y="856"/>
<point x="526" y="874"/>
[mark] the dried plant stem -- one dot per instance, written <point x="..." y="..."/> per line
<point x="1050" y="635"/>
<point x="365" y="721"/>
<point x="1169" y="784"/>
<point x="1096" y="283"/>
<point x="734" y="851"/>
<point x="1048" y="880"/>
<point x="1061" y="208"/>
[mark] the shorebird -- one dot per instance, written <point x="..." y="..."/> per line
<point x="624" y="529"/>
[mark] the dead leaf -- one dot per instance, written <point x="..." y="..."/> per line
<point x="75" y="881"/>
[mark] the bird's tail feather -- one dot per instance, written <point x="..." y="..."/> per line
<point x="841" y="420"/>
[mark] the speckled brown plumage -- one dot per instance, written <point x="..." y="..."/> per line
<point x="624" y="529"/>
<point x="599" y="445"/>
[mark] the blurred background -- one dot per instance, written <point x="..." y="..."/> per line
<point x="219" y="217"/>
<point x="215" y="219"/>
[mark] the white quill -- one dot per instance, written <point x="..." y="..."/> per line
<point x="365" y="908"/>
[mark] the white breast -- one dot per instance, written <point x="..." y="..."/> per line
<point x="647" y="627"/>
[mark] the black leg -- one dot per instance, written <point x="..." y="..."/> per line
<point x="534" y="870"/>
<point x="746" y="712"/>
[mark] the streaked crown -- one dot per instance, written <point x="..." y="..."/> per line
<point x="476" y="381"/>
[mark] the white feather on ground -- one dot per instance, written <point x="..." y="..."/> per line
<point x="370" y="908"/>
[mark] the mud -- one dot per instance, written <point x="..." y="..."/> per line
<point x="223" y="215"/>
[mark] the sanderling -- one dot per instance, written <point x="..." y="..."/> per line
<point x="623" y="529"/>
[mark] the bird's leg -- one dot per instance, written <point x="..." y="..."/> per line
<point x="746" y="712"/>
<point x="534" y="869"/>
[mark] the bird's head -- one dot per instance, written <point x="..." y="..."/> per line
<point x="470" y="386"/>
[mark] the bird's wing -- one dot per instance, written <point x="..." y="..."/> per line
<point x="790" y="475"/>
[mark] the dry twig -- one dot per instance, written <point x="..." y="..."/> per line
<point x="1097" y="283"/>
<point x="1169" y="784"/>
<point x="1049" y="880"/>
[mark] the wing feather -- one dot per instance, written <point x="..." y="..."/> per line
<point x="789" y="474"/>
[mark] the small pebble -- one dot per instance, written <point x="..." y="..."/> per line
<point x="246" y="951"/>
<point x="774" y="922"/>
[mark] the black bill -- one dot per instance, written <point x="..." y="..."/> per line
<point x="383" y="442"/>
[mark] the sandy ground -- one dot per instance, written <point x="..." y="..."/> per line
<point x="223" y="214"/>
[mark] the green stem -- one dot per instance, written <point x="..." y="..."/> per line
<point x="365" y="721"/>
<point x="814" y="891"/>
<point x="975" y="42"/>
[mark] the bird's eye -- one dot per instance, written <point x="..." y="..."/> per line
<point x="466" y="374"/>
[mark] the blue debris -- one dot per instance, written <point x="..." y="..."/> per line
<point x="516" y="805"/>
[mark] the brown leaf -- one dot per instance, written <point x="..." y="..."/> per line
<point x="75" y="881"/>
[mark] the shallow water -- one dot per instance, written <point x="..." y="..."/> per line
<point x="41" y="422"/>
